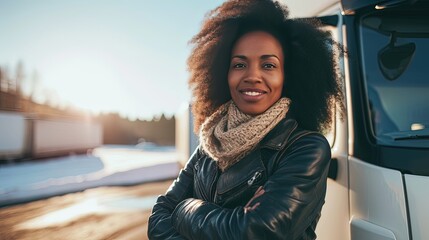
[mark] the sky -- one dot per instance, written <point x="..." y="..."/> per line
<point x="125" y="56"/>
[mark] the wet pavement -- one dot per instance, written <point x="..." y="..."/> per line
<point x="109" y="165"/>
<point x="99" y="213"/>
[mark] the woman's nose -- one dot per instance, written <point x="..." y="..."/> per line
<point x="253" y="74"/>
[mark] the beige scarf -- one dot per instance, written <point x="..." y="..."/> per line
<point x="229" y="134"/>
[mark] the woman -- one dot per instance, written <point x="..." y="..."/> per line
<point x="263" y="87"/>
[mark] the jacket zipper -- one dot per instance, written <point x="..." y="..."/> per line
<point x="254" y="178"/>
<point x="200" y="188"/>
<point x="241" y="188"/>
<point x="238" y="189"/>
<point x="213" y="190"/>
<point x="200" y="185"/>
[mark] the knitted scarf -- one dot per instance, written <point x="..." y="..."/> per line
<point x="229" y="134"/>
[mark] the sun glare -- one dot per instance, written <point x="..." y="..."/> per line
<point x="90" y="206"/>
<point x="86" y="80"/>
<point x="102" y="56"/>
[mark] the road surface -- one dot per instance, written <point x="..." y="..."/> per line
<point x="98" y="213"/>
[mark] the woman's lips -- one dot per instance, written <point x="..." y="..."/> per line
<point x="252" y="94"/>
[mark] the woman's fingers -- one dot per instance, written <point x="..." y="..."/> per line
<point x="257" y="194"/>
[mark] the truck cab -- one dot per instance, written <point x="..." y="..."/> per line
<point x="379" y="176"/>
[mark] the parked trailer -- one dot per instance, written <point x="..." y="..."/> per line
<point x="23" y="137"/>
<point x="60" y="137"/>
<point x="13" y="133"/>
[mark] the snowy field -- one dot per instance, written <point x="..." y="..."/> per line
<point x="110" y="165"/>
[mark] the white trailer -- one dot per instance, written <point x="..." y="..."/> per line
<point x="60" y="137"/>
<point x="23" y="137"/>
<point x="13" y="133"/>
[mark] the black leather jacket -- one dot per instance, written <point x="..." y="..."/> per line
<point x="204" y="203"/>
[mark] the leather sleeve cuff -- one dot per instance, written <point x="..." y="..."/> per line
<point x="185" y="206"/>
<point x="190" y="213"/>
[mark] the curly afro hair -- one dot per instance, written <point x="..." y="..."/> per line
<point x="311" y="78"/>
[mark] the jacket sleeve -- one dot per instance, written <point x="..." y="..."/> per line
<point x="293" y="198"/>
<point x="160" y="225"/>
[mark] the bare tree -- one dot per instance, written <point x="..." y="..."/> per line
<point x="19" y="78"/>
<point x="1" y="79"/>
<point x="34" y="85"/>
<point x="6" y="84"/>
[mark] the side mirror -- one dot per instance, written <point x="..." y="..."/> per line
<point x="394" y="59"/>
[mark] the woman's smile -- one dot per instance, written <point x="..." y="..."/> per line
<point x="252" y="94"/>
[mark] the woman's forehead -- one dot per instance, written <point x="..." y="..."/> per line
<point x="257" y="43"/>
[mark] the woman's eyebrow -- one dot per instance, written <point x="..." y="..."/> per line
<point x="269" y="56"/>
<point x="266" y="56"/>
<point x="239" y="56"/>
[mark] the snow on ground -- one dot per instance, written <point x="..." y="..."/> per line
<point x="109" y="165"/>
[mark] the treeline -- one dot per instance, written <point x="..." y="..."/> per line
<point x="116" y="129"/>
<point x="17" y="94"/>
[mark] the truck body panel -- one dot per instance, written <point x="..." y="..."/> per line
<point x="377" y="196"/>
<point x="57" y="137"/>
<point x="418" y="195"/>
<point x="13" y="130"/>
<point x="24" y="137"/>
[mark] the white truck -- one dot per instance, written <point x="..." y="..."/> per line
<point x="378" y="185"/>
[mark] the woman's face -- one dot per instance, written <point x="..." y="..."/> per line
<point x="256" y="73"/>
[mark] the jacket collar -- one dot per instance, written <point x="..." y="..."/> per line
<point x="278" y="137"/>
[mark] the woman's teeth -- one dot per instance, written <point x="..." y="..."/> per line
<point x="252" y="93"/>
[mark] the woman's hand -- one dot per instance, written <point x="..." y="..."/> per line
<point x="258" y="193"/>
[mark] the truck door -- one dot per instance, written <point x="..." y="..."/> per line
<point x="388" y="117"/>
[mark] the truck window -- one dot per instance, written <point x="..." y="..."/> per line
<point x="394" y="48"/>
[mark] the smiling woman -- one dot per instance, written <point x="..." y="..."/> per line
<point x="264" y="88"/>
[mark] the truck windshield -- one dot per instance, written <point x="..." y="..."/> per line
<point x="395" y="49"/>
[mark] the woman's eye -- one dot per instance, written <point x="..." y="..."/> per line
<point x="238" y="65"/>
<point x="269" y="65"/>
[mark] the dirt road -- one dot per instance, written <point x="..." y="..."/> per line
<point x="100" y="213"/>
